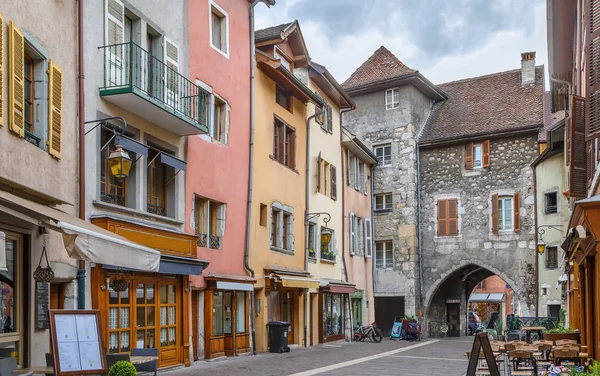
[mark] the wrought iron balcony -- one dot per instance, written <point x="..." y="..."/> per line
<point x="145" y="85"/>
<point x="209" y="241"/>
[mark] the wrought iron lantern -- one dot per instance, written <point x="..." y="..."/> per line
<point x="541" y="246"/>
<point x="119" y="284"/>
<point x="43" y="274"/>
<point x="119" y="162"/>
<point x="325" y="237"/>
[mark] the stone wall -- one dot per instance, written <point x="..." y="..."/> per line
<point x="375" y="125"/>
<point x="509" y="255"/>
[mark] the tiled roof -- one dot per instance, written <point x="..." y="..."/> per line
<point x="271" y="32"/>
<point x="486" y="105"/>
<point x="381" y="66"/>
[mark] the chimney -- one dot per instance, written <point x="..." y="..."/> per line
<point x="528" y="68"/>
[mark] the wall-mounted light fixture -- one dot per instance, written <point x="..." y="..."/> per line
<point x="541" y="245"/>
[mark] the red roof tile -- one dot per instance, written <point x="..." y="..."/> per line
<point x="485" y="105"/>
<point x="381" y="66"/>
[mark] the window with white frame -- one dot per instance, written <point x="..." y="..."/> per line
<point x="359" y="226"/>
<point x="392" y="98"/>
<point x="384" y="154"/>
<point x="505" y="213"/>
<point x="210" y="222"/>
<point x="383" y="202"/>
<point x="282" y="228"/>
<point x="384" y="256"/>
<point x="361" y="174"/>
<point x="312" y="240"/>
<point x="219" y="29"/>
<point x="353" y="233"/>
<point x="477" y="156"/>
<point x="220" y="120"/>
<point x="351" y="169"/>
<point x="368" y="238"/>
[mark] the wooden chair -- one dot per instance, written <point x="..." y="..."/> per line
<point x="570" y="355"/>
<point x="544" y="360"/>
<point x="522" y="363"/>
<point x="561" y="342"/>
<point x="152" y="366"/>
<point x="8" y="365"/>
<point x="510" y="346"/>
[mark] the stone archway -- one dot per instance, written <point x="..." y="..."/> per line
<point x="446" y="300"/>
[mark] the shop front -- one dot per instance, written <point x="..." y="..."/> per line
<point x="227" y="315"/>
<point x="335" y="309"/>
<point x="356" y="304"/>
<point x="140" y="309"/>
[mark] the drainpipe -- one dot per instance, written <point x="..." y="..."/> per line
<point x="342" y="191"/>
<point x="251" y="167"/>
<point x="419" y="229"/>
<point x="306" y="211"/>
<point x="80" y="78"/>
<point x="537" y="255"/>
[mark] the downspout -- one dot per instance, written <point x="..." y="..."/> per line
<point x="306" y="211"/>
<point x="537" y="255"/>
<point x="80" y="78"/>
<point x="342" y="190"/>
<point x="250" y="172"/>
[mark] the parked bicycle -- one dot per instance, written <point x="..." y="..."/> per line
<point x="371" y="332"/>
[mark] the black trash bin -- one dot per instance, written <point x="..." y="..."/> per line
<point x="278" y="336"/>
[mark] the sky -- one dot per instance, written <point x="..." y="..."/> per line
<point x="445" y="40"/>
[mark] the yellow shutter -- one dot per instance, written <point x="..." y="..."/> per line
<point x="16" y="78"/>
<point x="55" y="113"/>
<point x="1" y="70"/>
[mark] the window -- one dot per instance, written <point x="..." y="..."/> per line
<point x="210" y="222"/>
<point x="384" y="257"/>
<point x="263" y="215"/>
<point x="384" y="155"/>
<point x="156" y="184"/>
<point x="284" y="144"/>
<point x="333" y="174"/>
<point x="283" y="98"/>
<point x="326" y="119"/>
<point x="554" y="310"/>
<point x="29" y="93"/>
<point x="240" y="322"/>
<point x="392" y="98"/>
<point x="361" y="177"/>
<point x="477" y="156"/>
<point x="505" y="214"/>
<point x="447" y="217"/>
<point x="219" y="29"/>
<point x="323" y="173"/>
<point x="544" y="291"/>
<point x="352" y="169"/>
<point x="357" y="173"/>
<point x="352" y="228"/>
<point x="383" y="202"/>
<point x="113" y="190"/>
<point x="368" y="238"/>
<point x="551" y="257"/>
<point x="551" y="202"/>
<point x="219" y="123"/>
<point x="312" y="240"/>
<point x="282" y="228"/>
<point x="358" y="235"/>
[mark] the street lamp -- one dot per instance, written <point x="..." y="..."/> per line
<point x="119" y="162"/>
<point x="541" y="246"/>
<point x="325" y="237"/>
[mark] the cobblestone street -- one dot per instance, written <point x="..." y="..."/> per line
<point x="430" y="357"/>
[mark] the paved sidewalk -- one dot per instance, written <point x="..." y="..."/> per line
<point x="429" y="357"/>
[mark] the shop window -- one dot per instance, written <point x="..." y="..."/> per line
<point x="240" y="317"/>
<point x="217" y="313"/>
<point x="13" y="327"/>
<point x="333" y="306"/>
<point x="168" y="317"/>
<point x="210" y="223"/>
<point x="119" y="321"/>
<point x="145" y="316"/>
<point x="274" y="306"/>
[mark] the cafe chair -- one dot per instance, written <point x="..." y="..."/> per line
<point x="565" y="355"/>
<point x="522" y="363"/>
<point x="8" y="365"/>
<point x="562" y="342"/>
<point x="151" y="366"/>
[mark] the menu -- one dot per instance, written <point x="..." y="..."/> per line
<point x="76" y="342"/>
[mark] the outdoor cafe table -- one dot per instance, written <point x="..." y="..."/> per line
<point x="142" y="359"/>
<point x="529" y="329"/>
<point x="43" y="370"/>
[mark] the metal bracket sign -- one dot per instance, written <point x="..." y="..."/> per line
<point x="482" y="341"/>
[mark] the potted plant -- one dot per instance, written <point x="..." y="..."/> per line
<point x="122" y="368"/>
<point x="560" y="332"/>
<point x="311" y="253"/>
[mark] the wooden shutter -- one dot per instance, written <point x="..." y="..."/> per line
<point x="16" y="101"/>
<point x="319" y="160"/>
<point x="329" y="118"/>
<point x="171" y="59"/>
<point x="590" y="164"/>
<point x="292" y="154"/>
<point x="1" y="70"/>
<point x="352" y="233"/>
<point x="333" y="182"/>
<point x="276" y="130"/>
<point x="469" y="156"/>
<point x="578" y="164"/>
<point x="348" y="167"/>
<point x="452" y="217"/>
<point x="495" y="213"/>
<point x="351" y="170"/>
<point x="517" y="212"/>
<point x="55" y="110"/>
<point x="486" y="153"/>
<point x="592" y="47"/>
<point x="368" y="238"/>
<point x="442" y="218"/>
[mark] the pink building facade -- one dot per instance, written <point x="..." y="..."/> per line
<point x="217" y="177"/>
<point x="358" y="247"/>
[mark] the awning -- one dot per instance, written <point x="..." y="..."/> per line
<point x="293" y="281"/>
<point x="487" y="298"/>
<point x="225" y="281"/>
<point x="335" y="286"/>
<point x="170" y="265"/>
<point x="83" y="240"/>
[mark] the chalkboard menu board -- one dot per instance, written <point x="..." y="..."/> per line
<point x="42" y="297"/>
<point x="77" y="342"/>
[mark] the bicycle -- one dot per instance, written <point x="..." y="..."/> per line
<point x="371" y="332"/>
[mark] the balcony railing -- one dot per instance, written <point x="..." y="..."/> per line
<point x="209" y="241"/>
<point x="129" y="68"/>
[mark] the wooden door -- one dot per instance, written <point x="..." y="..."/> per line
<point x="169" y="324"/>
<point x="228" y="322"/>
<point x="453" y="319"/>
<point x="195" y="299"/>
<point x="287" y="310"/>
<point x="145" y="315"/>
